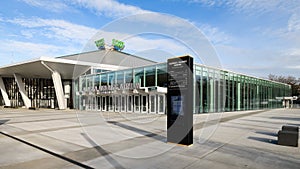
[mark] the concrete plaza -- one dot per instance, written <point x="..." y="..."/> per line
<point x="81" y="139"/>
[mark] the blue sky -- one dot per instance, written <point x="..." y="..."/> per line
<point x="249" y="36"/>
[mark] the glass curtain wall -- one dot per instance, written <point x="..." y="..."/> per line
<point x="13" y="93"/>
<point x="40" y="91"/>
<point x="215" y="90"/>
<point x="155" y="75"/>
<point x="219" y="90"/>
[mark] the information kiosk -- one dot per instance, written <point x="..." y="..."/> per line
<point x="180" y="100"/>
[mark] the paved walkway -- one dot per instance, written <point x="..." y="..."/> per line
<point x="76" y="139"/>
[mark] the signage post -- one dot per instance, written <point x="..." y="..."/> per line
<point x="180" y="100"/>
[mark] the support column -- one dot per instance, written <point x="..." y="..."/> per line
<point x="59" y="90"/>
<point x="21" y="86"/>
<point x="58" y="87"/>
<point x="211" y="95"/>
<point x="257" y="98"/>
<point x="4" y="93"/>
<point x="239" y="96"/>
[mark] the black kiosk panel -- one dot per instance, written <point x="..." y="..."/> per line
<point x="180" y="100"/>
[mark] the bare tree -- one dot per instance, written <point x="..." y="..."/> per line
<point x="291" y="80"/>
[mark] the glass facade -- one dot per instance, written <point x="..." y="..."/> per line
<point x="40" y="92"/>
<point x="216" y="90"/>
<point x="144" y="89"/>
<point x="219" y="90"/>
<point x="148" y="76"/>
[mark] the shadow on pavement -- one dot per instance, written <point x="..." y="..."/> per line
<point x="103" y="152"/>
<point x="271" y="122"/>
<point x="286" y="118"/>
<point x="267" y="133"/>
<point x="140" y="131"/>
<point x="47" y="151"/>
<point x="3" y="121"/>
<point x="266" y="140"/>
<point x="260" y="157"/>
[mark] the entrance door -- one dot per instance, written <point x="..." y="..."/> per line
<point x="107" y="103"/>
<point x="117" y="103"/>
<point x="137" y="103"/>
<point x="89" y="103"/>
<point x="94" y="103"/>
<point x="129" y="103"/>
<point x="98" y="103"/>
<point x="111" y="103"/>
<point x="161" y="104"/>
<point x="144" y="104"/>
<point x="152" y="102"/>
<point x="123" y="103"/>
<point x="103" y="103"/>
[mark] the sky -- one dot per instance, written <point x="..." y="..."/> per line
<point x="255" y="37"/>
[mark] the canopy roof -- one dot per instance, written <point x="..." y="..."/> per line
<point x="73" y="65"/>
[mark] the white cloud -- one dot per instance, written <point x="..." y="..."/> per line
<point x="215" y="35"/>
<point x="258" y="6"/>
<point x="15" y="51"/>
<point x="290" y="57"/>
<point x="294" y="23"/>
<point x="52" y="28"/>
<point x="110" y="8"/>
<point x="207" y="2"/>
<point x="67" y="37"/>
<point x="260" y="62"/>
<point x="287" y="35"/>
<point x="294" y="52"/>
<point x="61" y="30"/>
<point x="51" y="5"/>
<point x="140" y="42"/>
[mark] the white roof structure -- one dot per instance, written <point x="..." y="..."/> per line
<point x="73" y="65"/>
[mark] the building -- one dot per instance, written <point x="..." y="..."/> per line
<point x="110" y="80"/>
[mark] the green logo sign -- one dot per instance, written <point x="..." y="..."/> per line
<point x="100" y="43"/>
<point x="118" y="45"/>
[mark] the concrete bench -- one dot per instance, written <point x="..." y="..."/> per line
<point x="288" y="136"/>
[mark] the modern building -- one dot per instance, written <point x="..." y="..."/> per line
<point x="110" y="80"/>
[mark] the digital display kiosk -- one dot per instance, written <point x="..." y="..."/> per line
<point x="180" y="100"/>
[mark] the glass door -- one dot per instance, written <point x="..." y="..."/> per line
<point x="94" y="103"/>
<point x="103" y="103"/>
<point x="117" y="103"/>
<point x="152" y="102"/>
<point x="108" y="103"/>
<point x="123" y="103"/>
<point x="89" y="103"/>
<point x="144" y="104"/>
<point x="161" y="104"/>
<point x="129" y="103"/>
<point x="83" y="103"/>
<point x="137" y="103"/>
<point x="111" y="103"/>
<point x="98" y="103"/>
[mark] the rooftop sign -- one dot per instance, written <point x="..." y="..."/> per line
<point x="100" y="43"/>
<point x="118" y="45"/>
